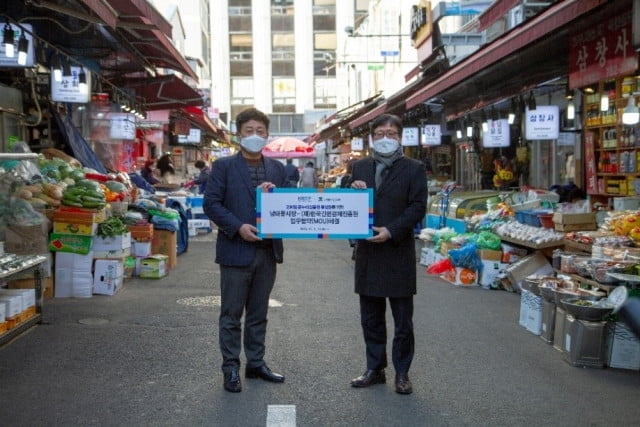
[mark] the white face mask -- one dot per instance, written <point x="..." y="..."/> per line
<point x="253" y="143"/>
<point x="385" y="146"/>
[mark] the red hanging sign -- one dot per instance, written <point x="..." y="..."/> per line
<point x="590" y="163"/>
<point x="602" y="52"/>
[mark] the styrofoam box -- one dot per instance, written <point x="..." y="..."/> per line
<point x="73" y="283"/>
<point x="3" y="310"/>
<point x="115" y="243"/>
<point x="13" y="305"/>
<point x="626" y="203"/>
<point x="28" y="296"/>
<point x="623" y="347"/>
<point x="108" y="276"/>
<point x="75" y="262"/>
<point x="140" y="249"/>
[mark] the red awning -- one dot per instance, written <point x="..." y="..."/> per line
<point x="367" y="117"/>
<point x="554" y="18"/>
<point x="200" y="119"/>
<point x="165" y="93"/>
<point x="145" y="31"/>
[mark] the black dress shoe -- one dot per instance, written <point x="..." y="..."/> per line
<point x="232" y="381"/>
<point x="265" y="373"/>
<point x="403" y="384"/>
<point x="370" y="377"/>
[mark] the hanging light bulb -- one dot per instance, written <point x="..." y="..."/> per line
<point x="8" y="35"/>
<point x="469" y="129"/>
<point x="56" y="68"/>
<point x="571" y="110"/>
<point x="485" y="124"/>
<point x="512" y="113"/>
<point x="631" y="114"/>
<point x="82" y="80"/>
<point x="23" y="47"/>
<point x="604" y="102"/>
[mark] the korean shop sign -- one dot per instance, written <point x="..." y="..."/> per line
<point x="602" y="51"/>
<point x="542" y="123"/>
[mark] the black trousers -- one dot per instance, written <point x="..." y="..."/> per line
<point x="245" y="290"/>
<point x="374" y="328"/>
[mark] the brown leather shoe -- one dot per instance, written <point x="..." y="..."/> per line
<point x="370" y="377"/>
<point x="403" y="384"/>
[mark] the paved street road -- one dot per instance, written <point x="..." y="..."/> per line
<point x="149" y="356"/>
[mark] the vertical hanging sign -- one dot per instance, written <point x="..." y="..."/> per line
<point x="591" y="177"/>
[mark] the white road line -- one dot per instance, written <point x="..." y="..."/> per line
<point x="281" y="415"/>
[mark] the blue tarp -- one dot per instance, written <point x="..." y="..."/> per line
<point x="80" y="149"/>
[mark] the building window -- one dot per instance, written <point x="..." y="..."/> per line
<point x="286" y="123"/>
<point x="241" y="54"/>
<point x="242" y="90"/>
<point x="284" y="91"/>
<point x="283" y="54"/>
<point x="325" y="92"/>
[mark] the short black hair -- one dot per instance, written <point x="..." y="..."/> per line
<point x="251" y="114"/>
<point x="199" y="164"/>
<point x="387" y="119"/>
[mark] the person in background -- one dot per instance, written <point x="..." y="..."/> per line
<point x="167" y="170"/>
<point x="308" y="177"/>
<point x="203" y="176"/>
<point x="385" y="264"/>
<point x="147" y="172"/>
<point x="293" y="175"/>
<point x="247" y="261"/>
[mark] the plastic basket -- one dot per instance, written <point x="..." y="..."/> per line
<point x="546" y="220"/>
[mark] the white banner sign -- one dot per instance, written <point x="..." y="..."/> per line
<point x="357" y="144"/>
<point x="543" y="122"/>
<point x="410" y="137"/>
<point x="431" y="135"/>
<point x="68" y="90"/>
<point x="12" y="61"/>
<point x="497" y="135"/>
<point x="122" y="126"/>
<point x="309" y="213"/>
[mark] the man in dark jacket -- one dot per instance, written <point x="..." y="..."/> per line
<point x="247" y="262"/>
<point x="385" y="266"/>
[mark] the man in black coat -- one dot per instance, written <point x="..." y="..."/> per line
<point x="385" y="266"/>
<point x="247" y="262"/>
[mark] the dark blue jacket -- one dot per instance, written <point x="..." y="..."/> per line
<point x="230" y="201"/>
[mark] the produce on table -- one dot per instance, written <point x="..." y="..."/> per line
<point x="112" y="227"/>
<point x="84" y="195"/>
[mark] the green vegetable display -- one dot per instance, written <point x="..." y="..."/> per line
<point x="84" y="197"/>
<point x="112" y="227"/>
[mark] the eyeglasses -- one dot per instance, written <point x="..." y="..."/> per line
<point x="257" y="131"/>
<point x="389" y="134"/>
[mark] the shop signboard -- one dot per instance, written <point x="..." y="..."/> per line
<point x="18" y="31"/>
<point x="193" y="137"/>
<point x="310" y="213"/>
<point x="431" y="135"/>
<point x="69" y="89"/>
<point x="602" y="51"/>
<point x="357" y="144"/>
<point x="542" y="123"/>
<point x="122" y="126"/>
<point x="410" y="137"/>
<point x="497" y="134"/>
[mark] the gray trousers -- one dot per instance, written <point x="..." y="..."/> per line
<point x="245" y="290"/>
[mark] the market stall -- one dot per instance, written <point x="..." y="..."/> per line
<point x="568" y="267"/>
